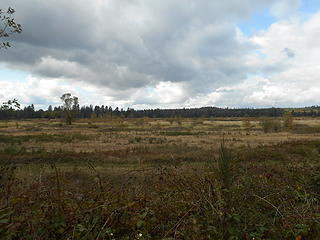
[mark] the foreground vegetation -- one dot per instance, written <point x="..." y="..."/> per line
<point x="244" y="178"/>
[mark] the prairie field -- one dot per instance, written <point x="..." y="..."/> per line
<point x="175" y="178"/>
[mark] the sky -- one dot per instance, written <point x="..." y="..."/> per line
<point x="164" y="53"/>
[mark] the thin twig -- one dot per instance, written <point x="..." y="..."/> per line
<point x="178" y="222"/>
<point x="265" y="200"/>
<point x="103" y="226"/>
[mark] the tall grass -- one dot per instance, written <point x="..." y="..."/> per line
<point x="225" y="177"/>
<point x="224" y="168"/>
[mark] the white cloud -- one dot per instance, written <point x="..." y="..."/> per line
<point x="41" y="92"/>
<point x="302" y="68"/>
<point x="164" y="93"/>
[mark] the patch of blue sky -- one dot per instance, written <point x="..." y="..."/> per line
<point x="9" y="75"/>
<point x="258" y="78"/>
<point x="83" y="92"/>
<point x="261" y="54"/>
<point x="149" y="90"/>
<point x="40" y="100"/>
<point x="38" y="103"/>
<point x="308" y="8"/>
<point x="259" y="21"/>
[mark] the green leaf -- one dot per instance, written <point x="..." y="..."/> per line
<point x="81" y="228"/>
<point x="4" y="220"/>
<point x="6" y="214"/>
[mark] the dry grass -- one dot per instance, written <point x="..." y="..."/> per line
<point x="157" y="179"/>
<point x="123" y="135"/>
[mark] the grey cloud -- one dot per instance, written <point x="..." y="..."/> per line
<point x="54" y="24"/>
<point x="275" y="68"/>
<point x="132" y="44"/>
<point x="289" y="52"/>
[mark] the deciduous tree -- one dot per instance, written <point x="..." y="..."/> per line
<point x="70" y="106"/>
<point x="8" y="26"/>
<point x="11" y="105"/>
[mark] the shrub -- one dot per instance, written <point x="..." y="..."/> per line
<point x="270" y="125"/>
<point x="287" y="120"/>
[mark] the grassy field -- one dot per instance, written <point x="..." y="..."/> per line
<point x="160" y="179"/>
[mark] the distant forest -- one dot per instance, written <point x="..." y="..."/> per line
<point x="105" y="111"/>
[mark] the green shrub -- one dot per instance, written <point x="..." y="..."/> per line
<point x="270" y="125"/>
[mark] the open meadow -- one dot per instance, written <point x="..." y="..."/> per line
<point x="175" y="178"/>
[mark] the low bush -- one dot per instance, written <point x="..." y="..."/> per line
<point x="270" y="125"/>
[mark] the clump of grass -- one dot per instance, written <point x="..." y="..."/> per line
<point x="152" y="140"/>
<point x="224" y="165"/>
<point x="64" y="138"/>
<point x="177" y="133"/>
<point x="270" y="125"/>
<point x="225" y="176"/>
<point x="13" y="149"/>
<point x="7" y="183"/>
<point x="94" y="126"/>
<point x="305" y="129"/>
<point x="11" y="139"/>
<point x="246" y="122"/>
<point x="315" y="182"/>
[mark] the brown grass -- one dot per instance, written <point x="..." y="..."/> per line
<point x="158" y="179"/>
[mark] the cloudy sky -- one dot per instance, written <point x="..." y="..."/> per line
<point x="164" y="53"/>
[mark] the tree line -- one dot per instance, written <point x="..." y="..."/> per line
<point x="103" y="111"/>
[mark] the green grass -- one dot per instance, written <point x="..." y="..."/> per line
<point x="176" y="133"/>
